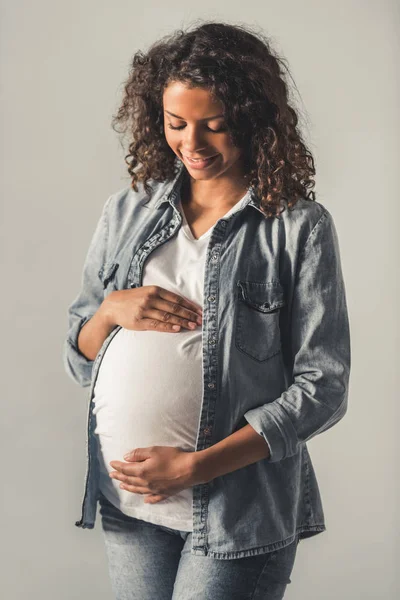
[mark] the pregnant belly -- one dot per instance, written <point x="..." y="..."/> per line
<point x="148" y="390"/>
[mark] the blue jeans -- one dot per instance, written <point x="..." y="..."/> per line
<point x="153" y="562"/>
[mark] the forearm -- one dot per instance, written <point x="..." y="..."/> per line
<point x="241" y="448"/>
<point x="95" y="331"/>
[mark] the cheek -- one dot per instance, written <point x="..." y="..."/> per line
<point x="171" y="141"/>
<point x="227" y="148"/>
<point x="167" y="135"/>
<point x="233" y="154"/>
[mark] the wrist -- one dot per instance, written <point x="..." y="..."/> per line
<point x="106" y="312"/>
<point x="201" y="472"/>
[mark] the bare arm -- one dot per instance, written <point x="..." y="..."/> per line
<point x="95" y="331"/>
<point x="241" y="448"/>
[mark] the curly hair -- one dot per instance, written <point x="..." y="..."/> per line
<point x="240" y="69"/>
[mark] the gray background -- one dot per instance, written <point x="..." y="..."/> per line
<point x="62" y="68"/>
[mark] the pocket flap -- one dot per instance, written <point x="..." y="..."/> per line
<point x="264" y="297"/>
<point x="107" y="272"/>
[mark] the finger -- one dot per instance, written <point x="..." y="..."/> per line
<point x="126" y="468"/>
<point x="175" y="308"/>
<point x="153" y="499"/>
<point x="162" y="320"/>
<point x="180" y="301"/>
<point x="135" y="488"/>
<point x="129" y="479"/>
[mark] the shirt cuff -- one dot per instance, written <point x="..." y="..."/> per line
<point x="78" y="367"/>
<point x="272" y="423"/>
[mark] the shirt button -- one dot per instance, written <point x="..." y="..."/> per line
<point x="207" y="430"/>
<point x="211" y="385"/>
<point x="211" y="298"/>
<point x="223" y="223"/>
<point x="214" y="257"/>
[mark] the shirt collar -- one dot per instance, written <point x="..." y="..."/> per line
<point x="171" y="192"/>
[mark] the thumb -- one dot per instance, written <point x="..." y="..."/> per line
<point x="136" y="454"/>
<point x="130" y="454"/>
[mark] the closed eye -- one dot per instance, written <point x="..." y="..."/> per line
<point x="208" y="128"/>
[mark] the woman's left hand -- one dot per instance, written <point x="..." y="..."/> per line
<point x="157" y="471"/>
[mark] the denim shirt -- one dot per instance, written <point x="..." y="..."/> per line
<point x="276" y="355"/>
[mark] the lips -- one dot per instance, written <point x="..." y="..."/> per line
<point x="199" y="157"/>
<point x="200" y="163"/>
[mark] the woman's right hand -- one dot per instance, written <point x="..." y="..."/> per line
<point x="151" y="307"/>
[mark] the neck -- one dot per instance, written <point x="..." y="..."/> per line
<point x="209" y="195"/>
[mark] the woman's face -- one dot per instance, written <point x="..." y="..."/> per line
<point x="195" y="128"/>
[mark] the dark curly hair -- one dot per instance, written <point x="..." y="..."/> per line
<point x="240" y="69"/>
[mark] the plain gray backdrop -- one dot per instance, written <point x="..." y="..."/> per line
<point x="62" y="69"/>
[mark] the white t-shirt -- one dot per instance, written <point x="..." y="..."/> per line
<point x="149" y="386"/>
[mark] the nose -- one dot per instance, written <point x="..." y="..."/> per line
<point x="192" y="140"/>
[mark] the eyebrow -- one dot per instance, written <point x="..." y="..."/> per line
<point x="206" y="119"/>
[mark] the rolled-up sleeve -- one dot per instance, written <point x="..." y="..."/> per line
<point x="86" y="303"/>
<point x="320" y="349"/>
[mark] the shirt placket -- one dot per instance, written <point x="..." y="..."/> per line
<point x="210" y="347"/>
<point x="210" y="371"/>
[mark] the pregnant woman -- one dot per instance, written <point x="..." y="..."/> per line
<point x="211" y="328"/>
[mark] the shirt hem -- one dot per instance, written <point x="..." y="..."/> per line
<point x="148" y="517"/>
<point x="308" y="531"/>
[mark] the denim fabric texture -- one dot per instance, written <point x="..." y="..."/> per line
<point x="276" y="354"/>
<point x="148" y="562"/>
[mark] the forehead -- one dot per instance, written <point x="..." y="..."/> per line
<point x="194" y="102"/>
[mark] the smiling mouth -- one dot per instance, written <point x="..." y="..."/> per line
<point x="200" y="158"/>
<point x="200" y="163"/>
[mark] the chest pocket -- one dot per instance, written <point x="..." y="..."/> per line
<point x="257" y="331"/>
<point x="107" y="275"/>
